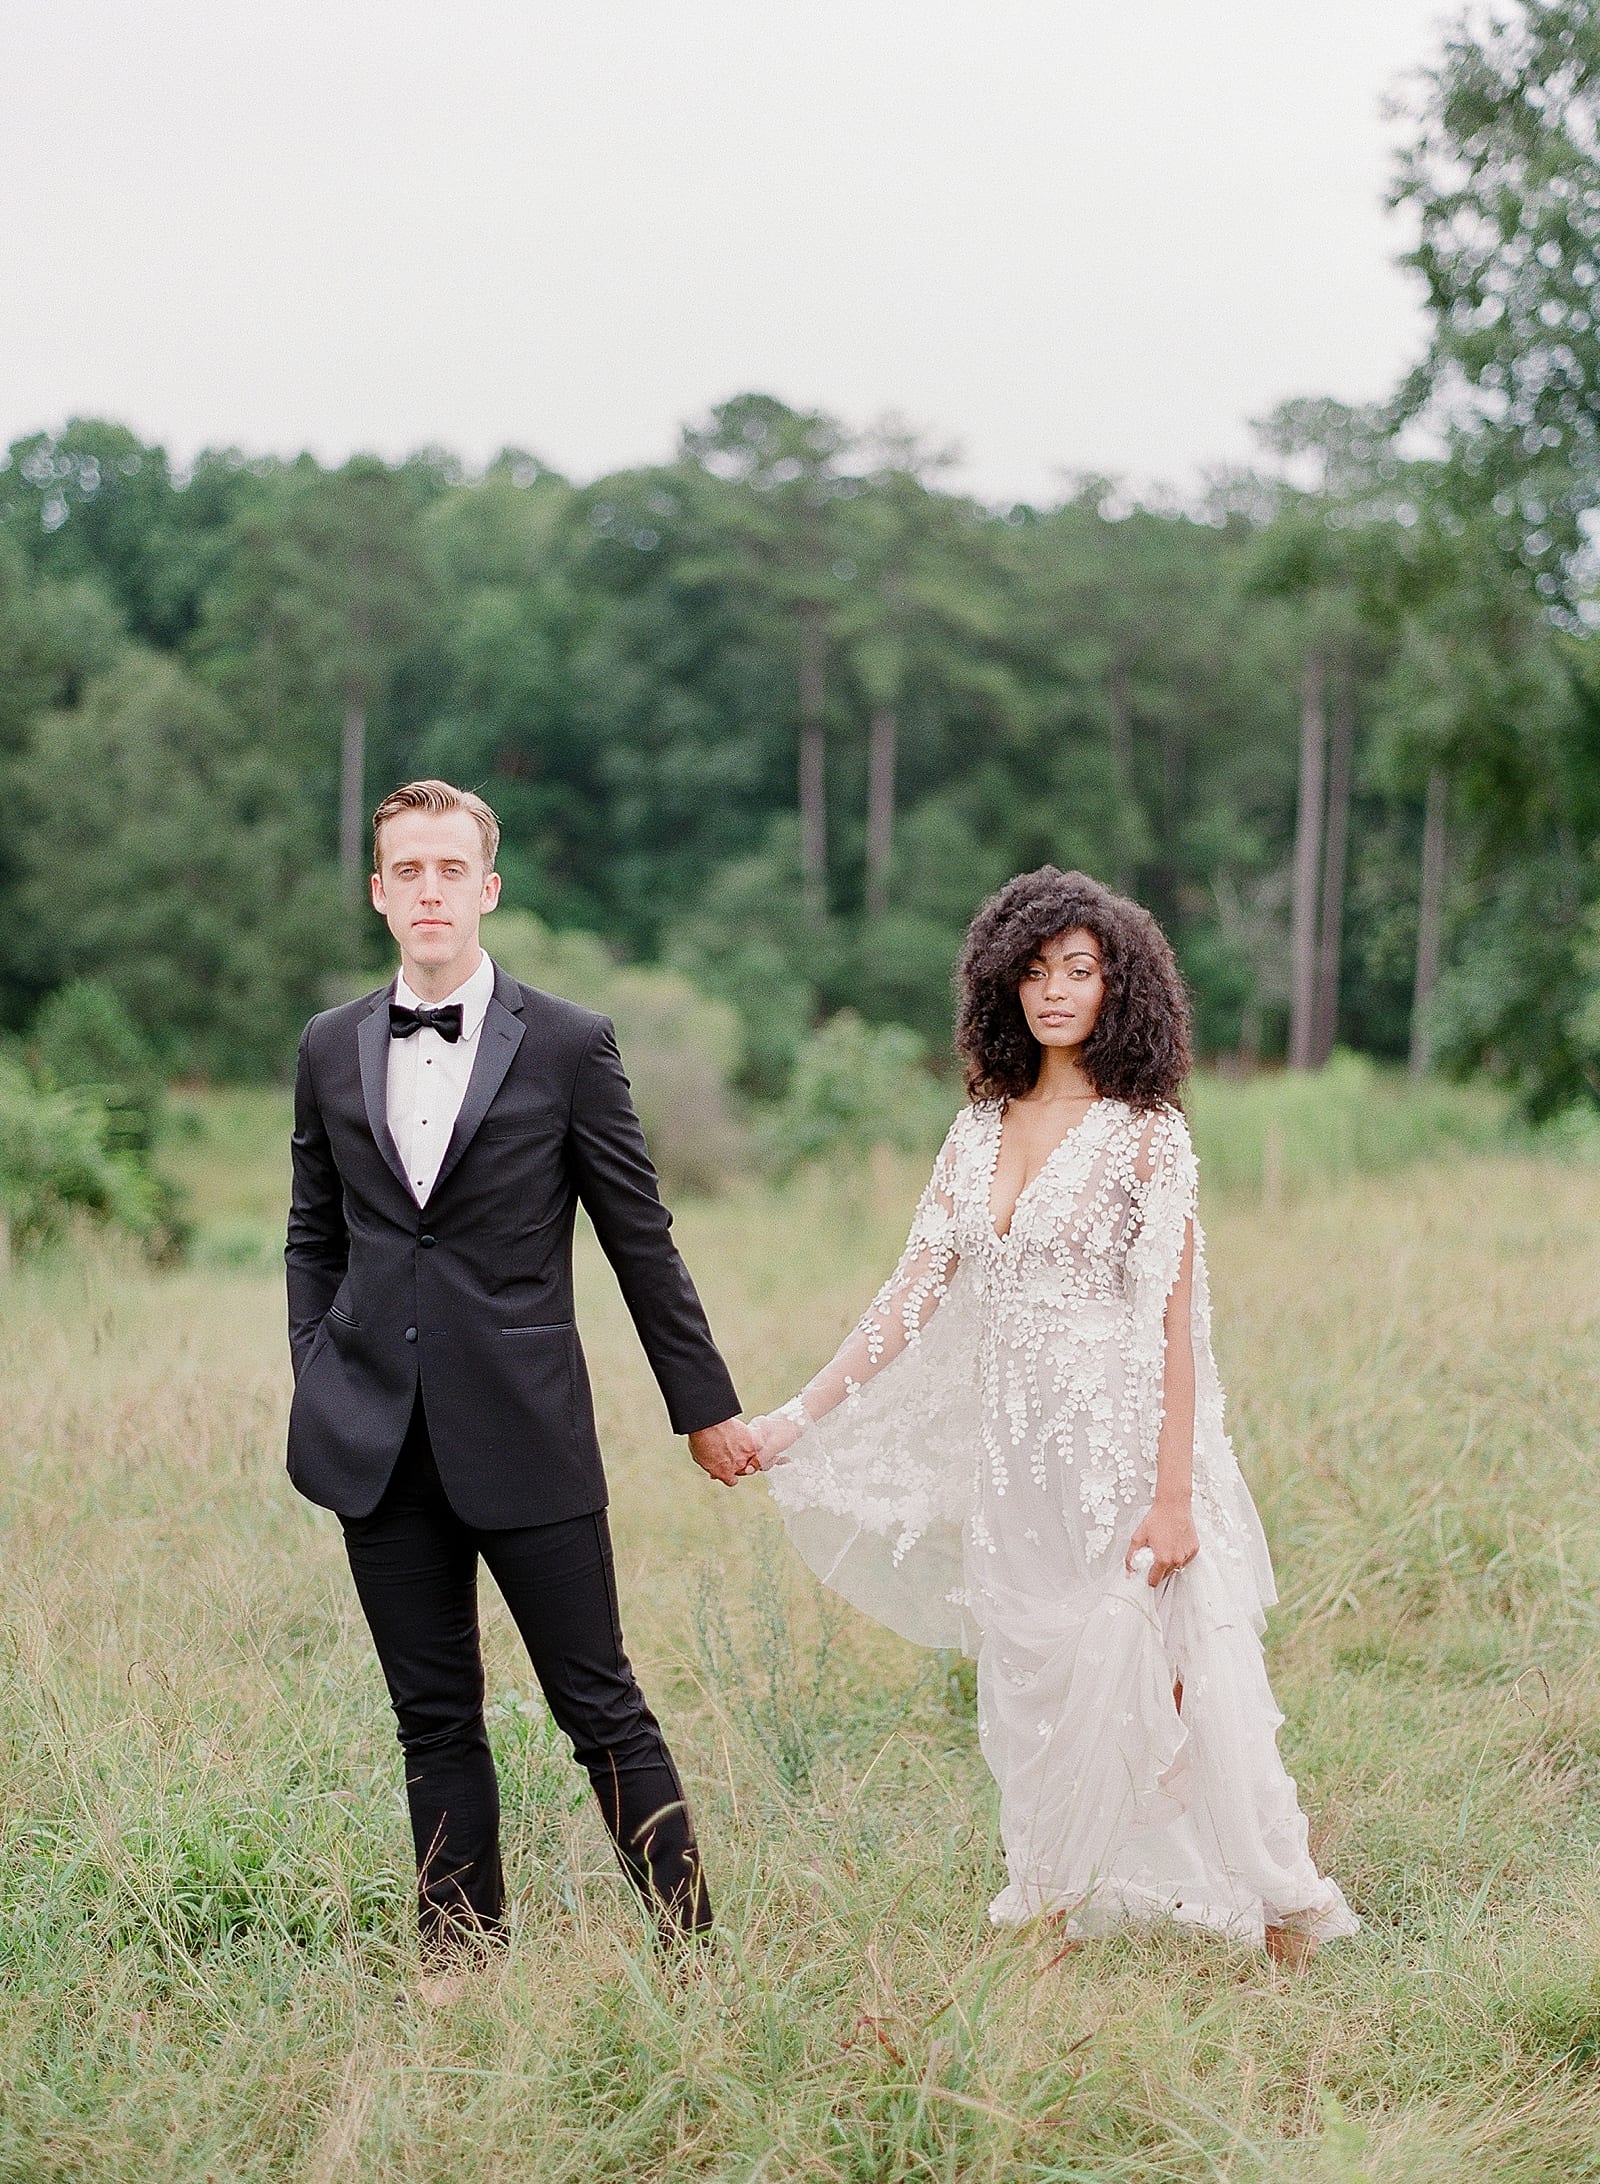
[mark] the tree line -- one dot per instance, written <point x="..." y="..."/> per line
<point x="778" y="712"/>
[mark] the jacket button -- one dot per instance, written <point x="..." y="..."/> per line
<point x="411" y="1334"/>
<point x="427" y="1242"/>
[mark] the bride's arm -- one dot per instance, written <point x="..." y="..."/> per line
<point x="893" y="1320"/>
<point x="1168" y="1529"/>
<point x="1167" y="1162"/>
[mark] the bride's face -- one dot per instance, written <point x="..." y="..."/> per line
<point x="1062" y="989"/>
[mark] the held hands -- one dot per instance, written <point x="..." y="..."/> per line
<point x="774" y="1433"/>
<point x="726" y="1452"/>
<point x="1168" y="1531"/>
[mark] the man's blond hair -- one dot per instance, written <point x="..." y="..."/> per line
<point x="436" y="796"/>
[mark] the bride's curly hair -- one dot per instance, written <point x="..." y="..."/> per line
<point x="1139" y="1050"/>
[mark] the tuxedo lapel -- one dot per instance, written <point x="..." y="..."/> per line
<point x="372" y="1042"/>
<point x="498" y="1042"/>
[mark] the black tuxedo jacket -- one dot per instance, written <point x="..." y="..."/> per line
<point x="470" y="1297"/>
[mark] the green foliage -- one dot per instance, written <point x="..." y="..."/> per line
<point x="225" y="1158"/>
<point x="901" y="966"/>
<point x="1287" y="1131"/>
<point x="1555" y="2007"/>
<point x="52" y="638"/>
<point x="623" y="670"/>
<point x="679" y="1046"/>
<point x="1520" y="1001"/>
<point x="1503" y="180"/>
<point x="751" y="944"/>
<point x="324" y="586"/>
<point x="93" y="503"/>
<point x="617" y="668"/>
<point x="84" y="1040"/>
<point x="58" y="1158"/>
<point x="856" y="1086"/>
<point x="502" y="698"/>
<point x="166" y="854"/>
<point x="651" y="675"/>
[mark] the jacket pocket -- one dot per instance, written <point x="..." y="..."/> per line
<point x="545" y="1368"/>
<point x="342" y="1318"/>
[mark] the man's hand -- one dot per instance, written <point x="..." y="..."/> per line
<point x="726" y="1452"/>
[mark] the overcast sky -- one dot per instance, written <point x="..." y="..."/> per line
<point x="1061" y="234"/>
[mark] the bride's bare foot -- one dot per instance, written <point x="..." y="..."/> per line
<point x="1289" y="1948"/>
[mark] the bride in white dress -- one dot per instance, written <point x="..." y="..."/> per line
<point x="1020" y="1450"/>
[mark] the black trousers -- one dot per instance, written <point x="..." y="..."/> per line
<point x="415" y="1565"/>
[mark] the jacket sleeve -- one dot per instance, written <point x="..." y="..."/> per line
<point x="317" y="1249"/>
<point x="617" y="1186"/>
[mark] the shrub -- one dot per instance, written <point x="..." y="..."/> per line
<point x="856" y="1086"/>
<point x="1296" y="1128"/>
<point x="680" y="1047"/>
<point x="56" y="1158"/>
<point x="752" y="946"/>
<point x="84" y="1040"/>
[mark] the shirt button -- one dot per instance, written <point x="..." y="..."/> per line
<point x="427" y="1242"/>
<point x="411" y="1334"/>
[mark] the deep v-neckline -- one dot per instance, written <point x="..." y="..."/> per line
<point x="1004" y="1235"/>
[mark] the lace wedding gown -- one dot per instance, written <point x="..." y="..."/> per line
<point x="969" y="1470"/>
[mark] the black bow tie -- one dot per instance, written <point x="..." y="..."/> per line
<point x="446" y="1020"/>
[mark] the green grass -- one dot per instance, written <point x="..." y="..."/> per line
<point x="205" y="1957"/>
<point x="228" y="1152"/>
<point x="1282" y="1132"/>
<point x="1274" y="1134"/>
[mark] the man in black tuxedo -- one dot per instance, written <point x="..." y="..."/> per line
<point x="446" y="1129"/>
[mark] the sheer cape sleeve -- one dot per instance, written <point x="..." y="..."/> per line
<point x="1169" y="1187"/>
<point x="903" y="1306"/>
<point x="876" y="1489"/>
<point x="883" y="1479"/>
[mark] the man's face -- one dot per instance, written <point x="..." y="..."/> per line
<point x="431" y="887"/>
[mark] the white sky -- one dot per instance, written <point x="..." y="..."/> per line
<point x="1089" y="234"/>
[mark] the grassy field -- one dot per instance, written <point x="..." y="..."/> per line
<point x="204" y="1892"/>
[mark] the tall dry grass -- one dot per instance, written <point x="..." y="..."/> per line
<point x="205" y="1960"/>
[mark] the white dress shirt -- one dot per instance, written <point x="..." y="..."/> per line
<point x="428" y="1078"/>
